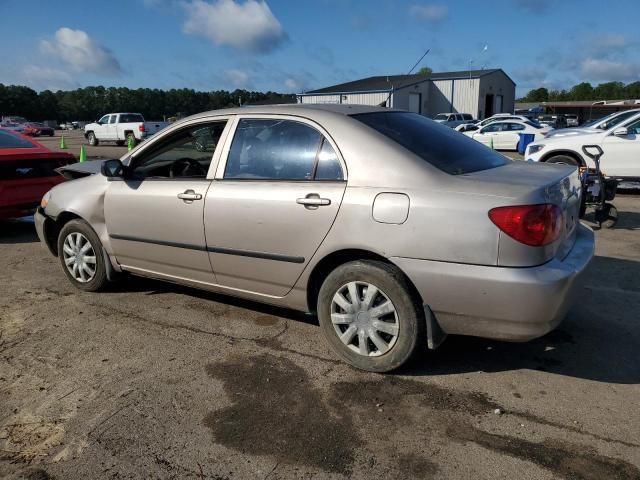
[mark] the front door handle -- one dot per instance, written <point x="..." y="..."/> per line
<point x="189" y="196"/>
<point x="313" y="201"/>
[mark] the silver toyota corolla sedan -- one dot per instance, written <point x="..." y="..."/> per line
<point x="396" y="230"/>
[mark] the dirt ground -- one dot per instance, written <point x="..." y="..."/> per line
<point x="153" y="380"/>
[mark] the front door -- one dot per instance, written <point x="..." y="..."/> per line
<point x="271" y="204"/>
<point x="622" y="154"/>
<point x="154" y="218"/>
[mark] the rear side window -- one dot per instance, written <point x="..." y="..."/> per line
<point x="131" y="118"/>
<point x="442" y="147"/>
<point x="272" y="149"/>
<point x="10" y="140"/>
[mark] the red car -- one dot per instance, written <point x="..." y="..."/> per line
<point x="27" y="172"/>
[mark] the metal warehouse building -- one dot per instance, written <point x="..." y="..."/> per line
<point x="478" y="92"/>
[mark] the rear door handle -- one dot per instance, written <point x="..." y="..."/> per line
<point x="313" y="201"/>
<point x="189" y="196"/>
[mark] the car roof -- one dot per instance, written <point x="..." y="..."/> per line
<point x="299" y="109"/>
<point x="35" y="149"/>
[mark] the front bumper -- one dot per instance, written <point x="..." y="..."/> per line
<point x="39" y="219"/>
<point x="514" y="304"/>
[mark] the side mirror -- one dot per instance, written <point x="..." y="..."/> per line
<point x="621" y="132"/>
<point x="113" y="169"/>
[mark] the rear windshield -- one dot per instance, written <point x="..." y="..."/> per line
<point x="131" y="118"/>
<point x="10" y="140"/>
<point x="442" y="147"/>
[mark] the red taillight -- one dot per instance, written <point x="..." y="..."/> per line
<point x="141" y="127"/>
<point x="534" y="225"/>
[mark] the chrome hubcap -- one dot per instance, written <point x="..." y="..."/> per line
<point x="364" y="319"/>
<point x="79" y="257"/>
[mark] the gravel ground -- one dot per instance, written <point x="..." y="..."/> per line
<point x="153" y="380"/>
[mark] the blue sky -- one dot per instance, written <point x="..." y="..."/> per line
<point x="295" y="45"/>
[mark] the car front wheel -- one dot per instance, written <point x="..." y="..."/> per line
<point x="369" y="315"/>
<point x="80" y="253"/>
<point x="93" y="141"/>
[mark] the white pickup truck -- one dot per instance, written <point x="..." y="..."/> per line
<point x="120" y="127"/>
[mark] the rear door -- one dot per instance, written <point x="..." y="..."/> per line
<point x="622" y="153"/>
<point x="155" y="218"/>
<point x="272" y="203"/>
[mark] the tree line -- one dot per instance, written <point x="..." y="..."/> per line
<point x="90" y="103"/>
<point x="585" y="91"/>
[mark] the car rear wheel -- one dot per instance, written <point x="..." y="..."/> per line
<point x="565" y="159"/>
<point x="93" y="141"/>
<point x="80" y="253"/>
<point x="369" y="315"/>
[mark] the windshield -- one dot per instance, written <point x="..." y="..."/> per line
<point x="10" y="140"/>
<point x="441" y="116"/>
<point x="442" y="147"/>
<point x="534" y="124"/>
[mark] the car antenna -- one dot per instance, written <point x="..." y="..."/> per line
<point x="409" y="73"/>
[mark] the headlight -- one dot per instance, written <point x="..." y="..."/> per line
<point x="535" y="149"/>
<point x="45" y="199"/>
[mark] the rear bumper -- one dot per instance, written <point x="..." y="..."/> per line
<point x="513" y="304"/>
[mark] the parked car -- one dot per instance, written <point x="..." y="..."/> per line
<point x="121" y="128"/>
<point x="600" y="124"/>
<point x="553" y="121"/>
<point x="572" y="119"/>
<point x="505" y="135"/>
<point x="620" y="144"/>
<point x="453" y="119"/>
<point x="30" y="130"/>
<point x="27" y="171"/>
<point x="498" y="117"/>
<point x="395" y="229"/>
<point x="12" y="127"/>
<point x="43" y="129"/>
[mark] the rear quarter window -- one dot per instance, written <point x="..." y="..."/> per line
<point x="440" y="146"/>
<point x="10" y="140"/>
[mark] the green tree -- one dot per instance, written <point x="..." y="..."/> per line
<point x="582" y="91"/>
<point x="425" y="72"/>
<point x="538" y="95"/>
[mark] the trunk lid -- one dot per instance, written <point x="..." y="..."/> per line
<point x="528" y="183"/>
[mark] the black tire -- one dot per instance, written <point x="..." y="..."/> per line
<point x="564" y="159"/>
<point x="131" y="136"/>
<point x="99" y="280"/>
<point x="409" y="313"/>
<point x="92" y="139"/>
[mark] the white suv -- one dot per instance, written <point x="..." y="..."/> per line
<point x="620" y="144"/>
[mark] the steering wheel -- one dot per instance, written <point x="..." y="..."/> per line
<point x="185" y="163"/>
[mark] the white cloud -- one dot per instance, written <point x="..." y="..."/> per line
<point x="81" y="53"/>
<point x="609" y="70"/>
<point x="248" y="26"/>
<point x="292" y="85"/>
<point x="45" y="78"/>
<point x="237" y="78"/>
<point x="431" y="13"/>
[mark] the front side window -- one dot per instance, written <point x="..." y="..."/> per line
<point x="273" y="149"/>
<point x="186" y="153"/>
<point x="438" y="145"/>
<point x="516" y="126"/>
<point x="634" y="128"/>
<point x="113" y="119"/>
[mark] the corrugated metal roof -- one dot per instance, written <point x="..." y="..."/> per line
<point x="387" y="82"/>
